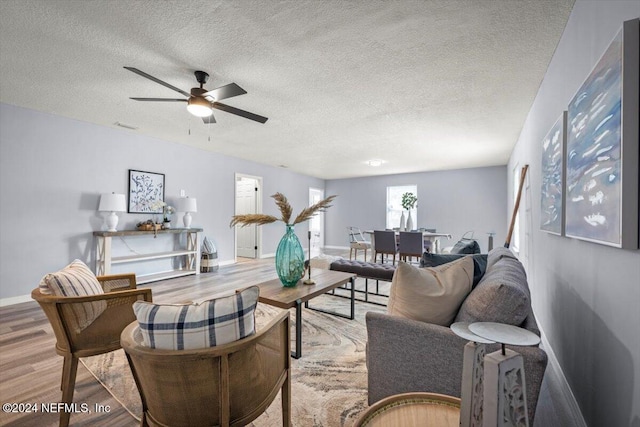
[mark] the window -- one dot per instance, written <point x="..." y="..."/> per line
<point x="394" y="204"/>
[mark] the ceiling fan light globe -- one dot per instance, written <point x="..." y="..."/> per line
<point x="199" y="107"/>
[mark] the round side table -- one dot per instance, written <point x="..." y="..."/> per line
<point x="412" y="409"/>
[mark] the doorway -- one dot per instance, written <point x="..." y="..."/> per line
<point x="248" y="197"/>
<point x="316" y="223"/>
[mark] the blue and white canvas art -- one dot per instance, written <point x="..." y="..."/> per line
<point x="594" y="188"/>
<point x="146" y="192"/>
<point x="552" y="187"/>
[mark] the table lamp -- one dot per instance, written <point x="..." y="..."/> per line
<point x="112" y="203"/>
<point x="187" y="205"/>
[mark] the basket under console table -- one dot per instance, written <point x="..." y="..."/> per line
<point x="105" y="260"/>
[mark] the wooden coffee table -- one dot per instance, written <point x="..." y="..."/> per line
<point x="273" y="293"/>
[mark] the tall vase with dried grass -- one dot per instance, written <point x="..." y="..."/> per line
<point x="289" y="255"/>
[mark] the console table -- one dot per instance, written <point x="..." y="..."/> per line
<point x="105" y="260"/>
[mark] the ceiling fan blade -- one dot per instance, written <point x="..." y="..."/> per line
<point x="226" y="91"/>
<point x="209" y="119"/>
<point x="239" y="112"/>
<point x="159" y="99"/>
<point x="143" y="74"/>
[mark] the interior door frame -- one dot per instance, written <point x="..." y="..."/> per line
<point x="258" y="180"/>
<point x="321" y="242"/>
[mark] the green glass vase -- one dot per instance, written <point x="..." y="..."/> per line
<point x="289" y="258"/>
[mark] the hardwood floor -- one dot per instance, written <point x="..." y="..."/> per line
<point x="30" y="370"/>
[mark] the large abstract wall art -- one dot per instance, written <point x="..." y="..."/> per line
<point x="602" y="148"/>
<point x="552" y="188"/>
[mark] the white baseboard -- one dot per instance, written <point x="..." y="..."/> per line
<point x="15" y="300"/>
<point x="561" y="380"/>
<point x="346" y="248"/>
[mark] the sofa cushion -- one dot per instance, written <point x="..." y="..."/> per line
<point x="466" y="247"/>
<point x="502" y="295"/>
<point x="75" y="280"/>
<point x="199" y="325"/>
<point x="479" y="262"/>
<point x="499" y="253"/>
<point x="431" y="295"/>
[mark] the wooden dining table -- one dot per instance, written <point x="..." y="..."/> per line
<point x="428" y="236"/>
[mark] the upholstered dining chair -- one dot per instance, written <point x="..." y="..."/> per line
<point x="357" y="242"/>
<point x="385" y="244"/>
<point x="411" y="244"/>
<point x="101" y="335"/>
<point x="227" y="385"/>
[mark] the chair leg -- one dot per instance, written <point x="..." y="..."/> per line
<point x="286" y="400"/>
<point x="69" y="371"/>
<point x="63" y="378"/>
<point x="351" y="253"/>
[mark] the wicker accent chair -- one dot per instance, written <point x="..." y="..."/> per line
<point x="227" y="385"/>
<point x="102" y="336"/>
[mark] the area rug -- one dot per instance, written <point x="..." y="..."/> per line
<point x="329" y="382"/>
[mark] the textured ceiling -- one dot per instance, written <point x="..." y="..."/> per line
<point x="422" y="85"/>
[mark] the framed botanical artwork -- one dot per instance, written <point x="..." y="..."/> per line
<point x="552" y="199"/>
<point x="146" y="192"/>
<point x="602" y="147"/>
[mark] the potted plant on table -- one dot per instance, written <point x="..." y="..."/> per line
<point x="409" y="201"/>
<point x="166" y="214"/>
<point x="289" y="255"/>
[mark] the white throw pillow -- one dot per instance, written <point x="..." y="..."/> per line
<point x="199" y="325"/>
<point x="431" y="295"/>
<point x="75" y="280"/>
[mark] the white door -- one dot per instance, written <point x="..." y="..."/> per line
<point x="316" y="223"/>
<point x="246" y="203"/>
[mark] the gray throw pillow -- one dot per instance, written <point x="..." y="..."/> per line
<point x="466" y="247"/>
<point x="502" y="295"/>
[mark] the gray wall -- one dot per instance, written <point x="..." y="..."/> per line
<point x="586" y="296"/>
<point x="53" y="169"/>
<point x="453" y="202"/>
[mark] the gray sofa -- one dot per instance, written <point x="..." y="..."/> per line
<point x="405" y="355"/>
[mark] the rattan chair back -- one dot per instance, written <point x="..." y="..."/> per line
<point x="226" y="385"/>
<point x="101" y="336"/>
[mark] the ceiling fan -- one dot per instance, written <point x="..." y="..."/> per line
<point x="201" y="102"/>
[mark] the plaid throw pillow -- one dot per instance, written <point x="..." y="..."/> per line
<point x="75" y="280"/>
<point x="210" y="323"/>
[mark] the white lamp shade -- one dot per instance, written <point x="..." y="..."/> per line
<point x="187" y="204"/>
<point x="112" y="203"/>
